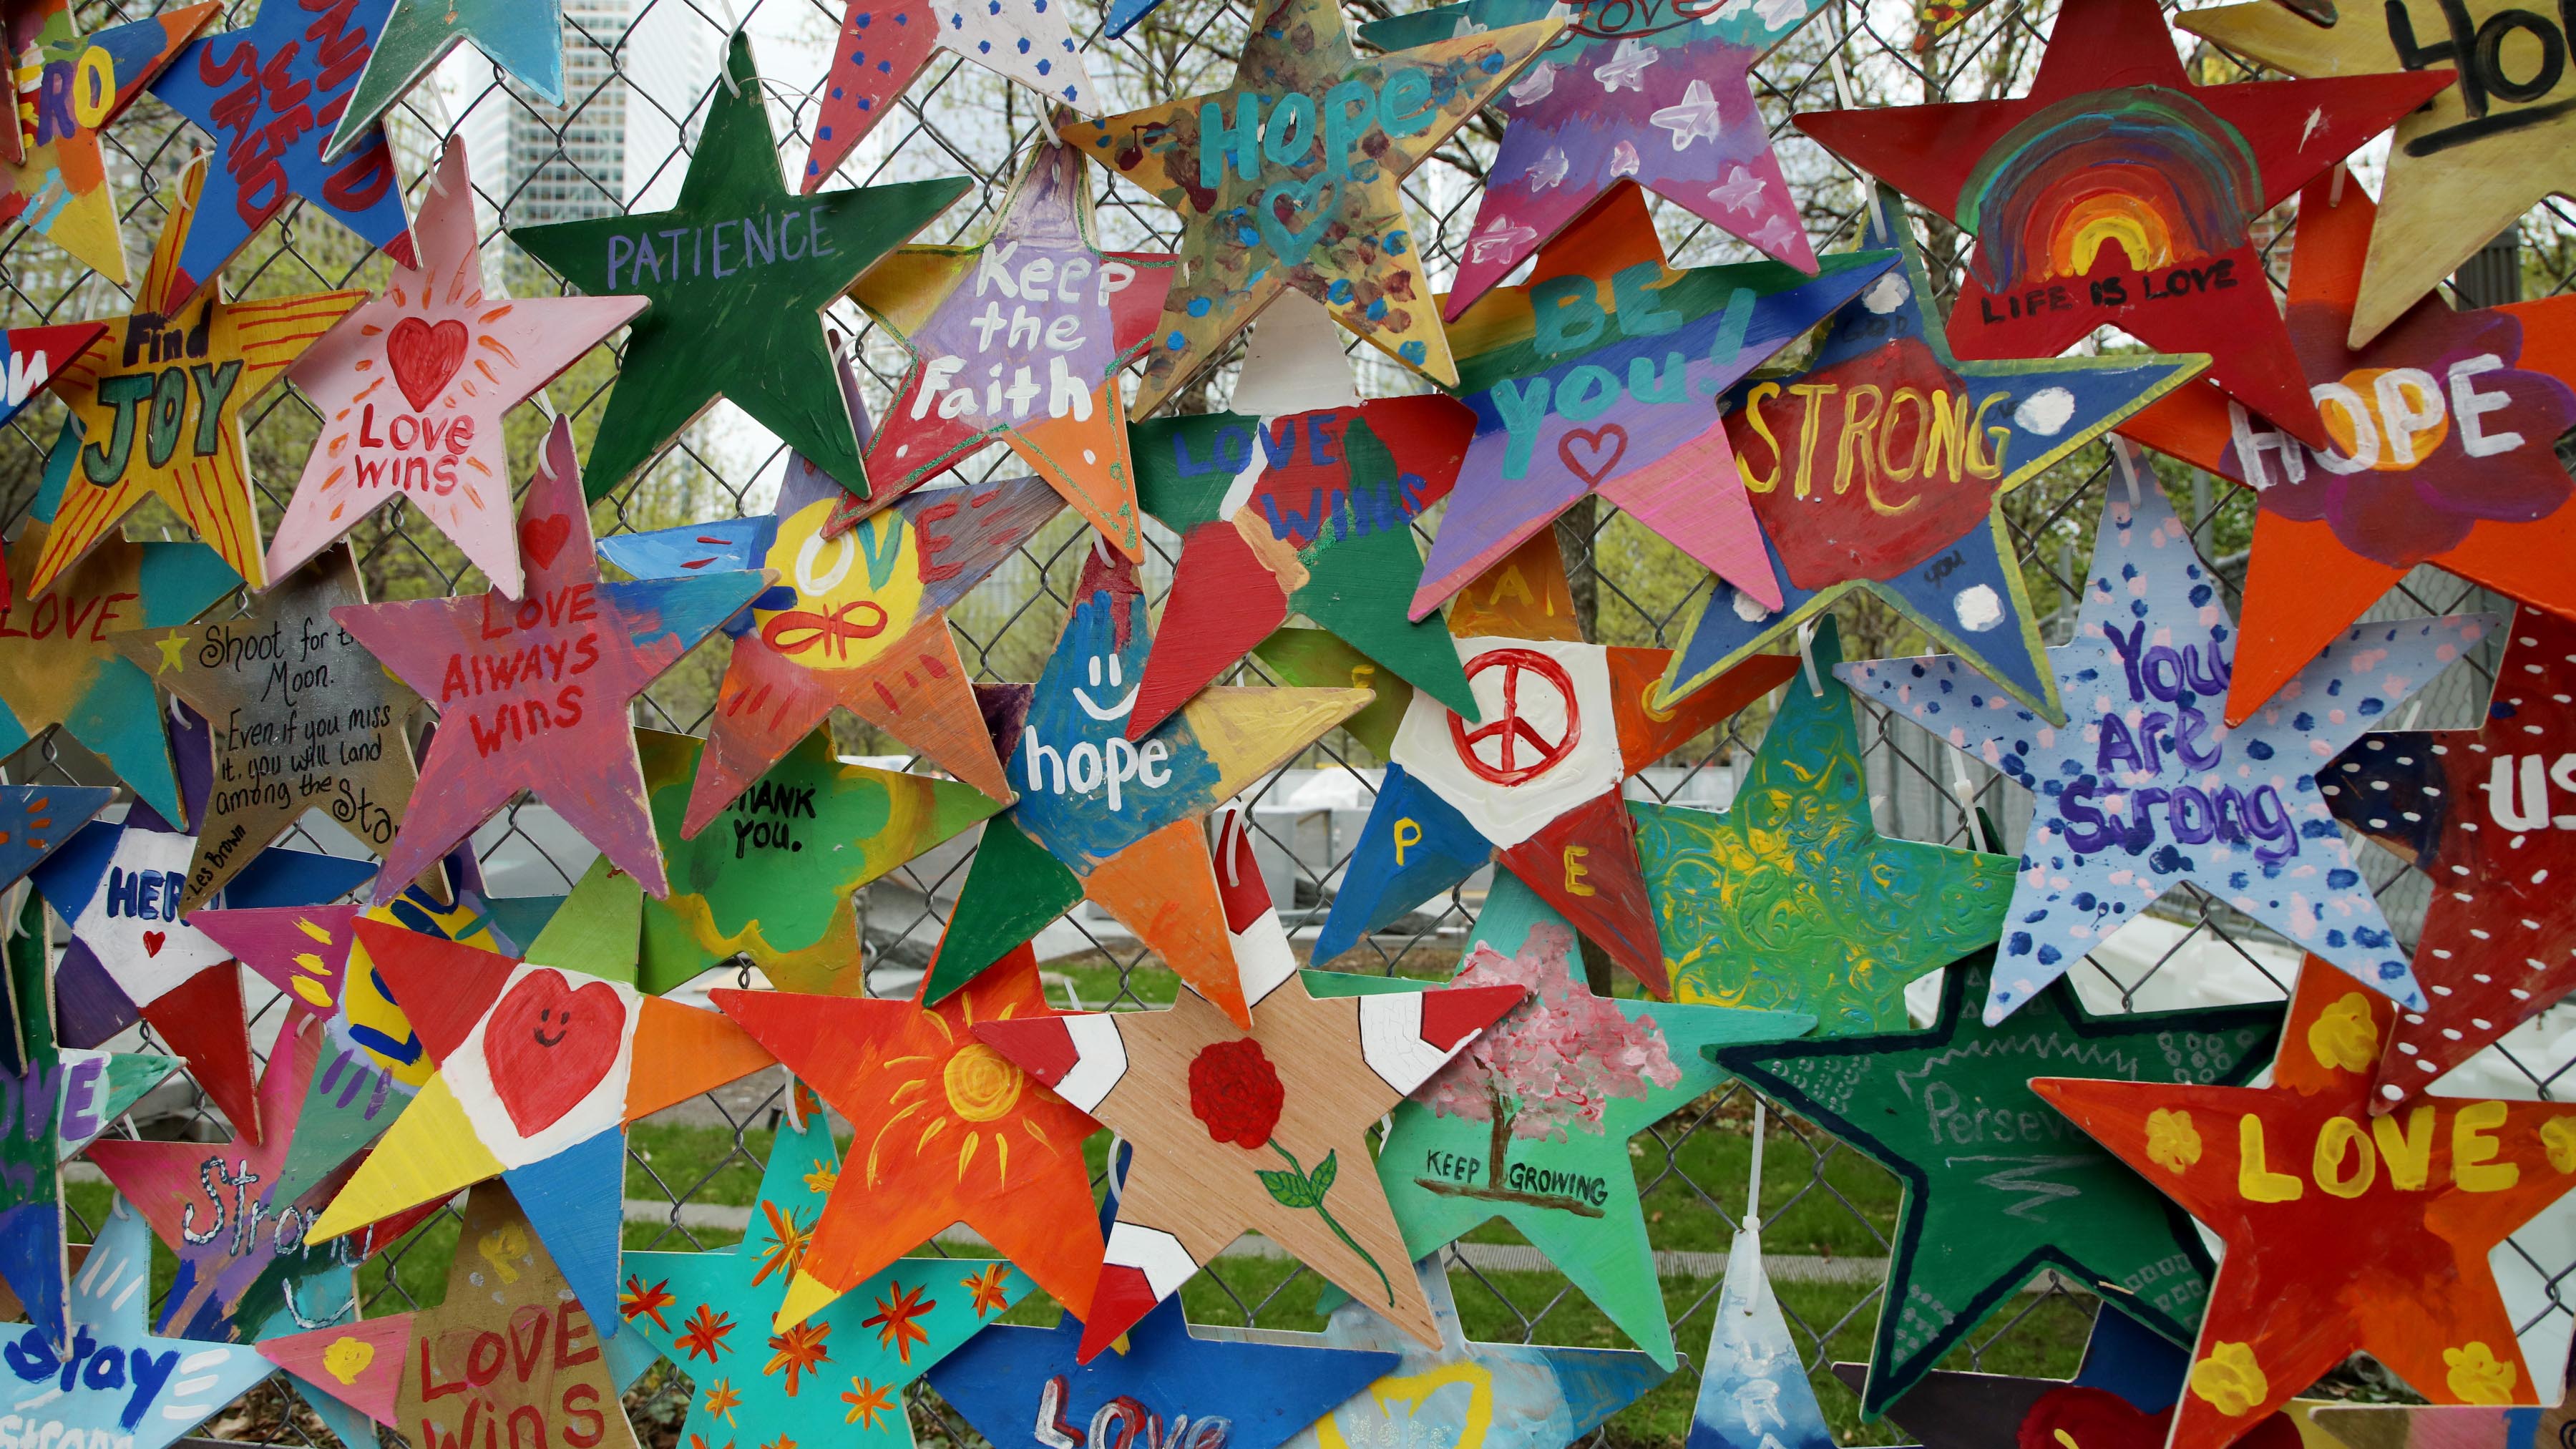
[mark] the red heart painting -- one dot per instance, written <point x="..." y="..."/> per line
<point x="1592" y="452"/>
<point x="424" y="357"/>
<point x="2089" y="1418"/>
<point x="542" y="538"/>
<point x="548" y="1046"/>
<point x="152" y="942"/>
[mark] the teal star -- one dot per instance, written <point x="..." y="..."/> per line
<point x="1558" y="1171"/>
<point x="1998" y="1185"/>
<point x="523" y="37"/>
<point x="1792" y="899"/>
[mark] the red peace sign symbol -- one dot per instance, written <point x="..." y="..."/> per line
<point x="1506" y="767"/>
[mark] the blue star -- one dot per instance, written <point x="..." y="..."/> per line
<point x="271" y="151"/>
<point x="2145" y="787"/>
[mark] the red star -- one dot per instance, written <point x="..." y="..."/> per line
<point x="2114" y="152"/>
<point x="2477" y="811"/>
<point x="2344" y="1233"/>
<point x="2477" y="489"/>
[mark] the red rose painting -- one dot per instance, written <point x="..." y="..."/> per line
<point x="1236" y="1092"/>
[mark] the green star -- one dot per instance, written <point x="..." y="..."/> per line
<point x="522" y="37"/>
<point x="1999" y="1185"/>
<point x="738" y="275"/>
<point x="1792" y="899"/>
<point x="1526" y="1127"/>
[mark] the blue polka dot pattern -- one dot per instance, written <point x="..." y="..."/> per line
<point x="2146" y="788"/>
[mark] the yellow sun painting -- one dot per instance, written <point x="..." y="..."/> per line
<point x="955" y="1095"/>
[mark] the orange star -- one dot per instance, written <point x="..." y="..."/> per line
<point x="990" y="1288"/>
<point x="787" y="1241"/>
<point x="640" y="1301"/>
<point x="947" y="1131"/>
<point x="2344" y="1233"/>
<point x="800" y="1348"/>
<point x="707" y="1333"/>
<point x="721" y="1400"/>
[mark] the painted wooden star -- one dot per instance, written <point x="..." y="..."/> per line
<point x="373" y="1063"/>
<point x="302" y="719"/>
<point x="156" y="404"/>
<point x="945" y="1130"/>
<point x="1988" y="1205"/>
<point x="1117" y="821"/>
<point x="1600" y="374"/>
<point x="53" y="176"/>
<point x="1238" y="1132"/>
<point x="33" y="355"/>
<point x="2490" y="146"/>
<point x="58" y="670"/>
<point x="2445" y="427"/>
<point x="855" y="618"/>
<point x="535" y="696"/>
<point x="67" y="1097"/>
<point x="1293" y="178"/>
<point x="524" y="38"/>
<point x="2476" y="811"/>
<point x="1021" y="1387"/>
<point x="115" y="1383"/>
<point x="414" y="387"/>
<point x="1912" y="514"/>
<point x="132" y="958"/>
<point x="884" y="46"/>
<point x="243" y="1255"/>
<point x="2146" y="787"/>
<point x="537" y="1079"/>
<point x="2340" y="1238"/>
<point x="738" y="274"/>
<point x="836" y="1377"/>
<point x="2117" y="193"/>
<point x="426" y="1374"/>
<point x="1791" y="899"/>
<point x="1020" y="340"/>
<point x="1519" y="1395"/>
<point x="773" y="877"/>
<point x="1621" y="97"/>
<point x="269" y="94"/>
<point x="1535" y="786"/>
<point x="1530" y="1124"/>
<point x="1306" y="511"/>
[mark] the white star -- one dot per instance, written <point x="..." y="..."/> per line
<point x="1776" y="234"/>
<point x="1549" y="170"/>
<point x="1626" y="67"/>
<point x="1503" y="240"/>
<point x="1742" y="191"/>
<point x="1623" y="159"/>
<point x="1694" y="118"/>
<point x="1535" y="85"/>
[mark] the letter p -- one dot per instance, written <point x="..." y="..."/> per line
<point x="1408" y="834"/>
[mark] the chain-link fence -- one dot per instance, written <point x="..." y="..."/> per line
<point x="640" y="74"/>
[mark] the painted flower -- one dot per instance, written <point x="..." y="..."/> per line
<point x="866" y="1401"/>
<point x="1235" y="1091"/>
<point x="788" y="1240"/>
<point x="2558" y="1134"/>
<point x="2403" y="499"/>
<point x="988" y="1291"/>
<point x="894" y="1317"/>
<point x="2343" y="1037"/>
<point x="640" y="1301"/>
<point x="706" y="1335"/>
<point x="2172" y="1142"/>
<point x="722" y="1400"/>
<point x="2230" y="1379"/>
<point x="798" y="1351"/>
<point x="2477" y="1376"/>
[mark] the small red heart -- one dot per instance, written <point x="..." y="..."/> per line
<point x="548" y="1046"/>
<point x="2090" y="1418"/>
<point x="542" y="538"/>
<point x="1601" y="450"/>
<point x="424" y="357"/>
<point x="152" y="942"/>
